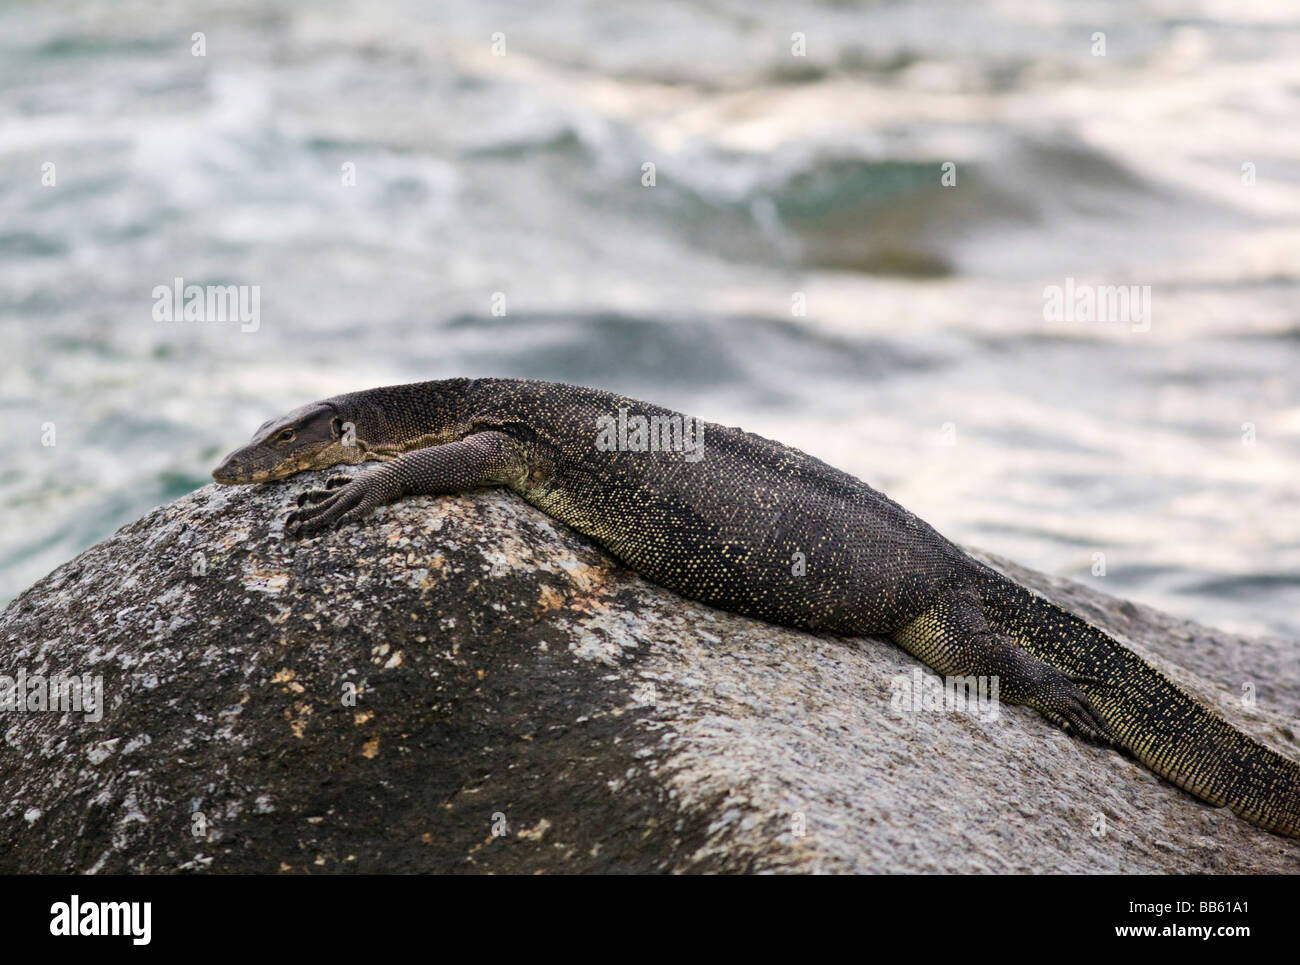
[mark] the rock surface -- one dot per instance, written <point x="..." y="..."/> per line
<point x="463" y="684"/>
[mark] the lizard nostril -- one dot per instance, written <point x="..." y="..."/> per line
<point x="225" y="471"/>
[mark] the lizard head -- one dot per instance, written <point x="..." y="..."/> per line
<point x="309" y="437"/>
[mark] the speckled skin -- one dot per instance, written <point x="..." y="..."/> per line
<point x="761" y="529"/>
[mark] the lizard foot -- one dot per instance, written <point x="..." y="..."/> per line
<point x="319" y="495"/>
<point x="1057" y="695"/>
<point x="347" y="499"/>
<point x="1069" y="708"/>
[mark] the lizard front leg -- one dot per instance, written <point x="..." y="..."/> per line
<point x="482" y="459"/>
<point x="953" y="637"/>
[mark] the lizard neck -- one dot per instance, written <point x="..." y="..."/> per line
<point x="391" y="420"/>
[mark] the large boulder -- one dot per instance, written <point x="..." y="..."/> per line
<point x="463" y="684"/>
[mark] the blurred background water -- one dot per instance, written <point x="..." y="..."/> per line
<point x="775" y="174"/>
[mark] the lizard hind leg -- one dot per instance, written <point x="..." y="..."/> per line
<point x="953" y="638"/>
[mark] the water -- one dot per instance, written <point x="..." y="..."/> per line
<point x="923" y="363"/>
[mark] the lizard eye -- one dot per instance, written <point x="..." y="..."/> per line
<point x="286" y="435"/>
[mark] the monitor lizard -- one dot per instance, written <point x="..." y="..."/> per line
<point x="722" y="522"/>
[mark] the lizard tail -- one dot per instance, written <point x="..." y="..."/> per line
<point x="1150" y="716"/>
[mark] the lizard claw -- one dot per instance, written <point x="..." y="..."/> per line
<point x="1074" y="711"/>
<point x="1058" y="696"/>
<point x="320" y="495"/>
<point x="293" y="524"/>
<point x="1085" y="717"/>
<point x="347" y="499"/>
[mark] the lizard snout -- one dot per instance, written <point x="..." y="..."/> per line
<point x="233" y="470"/>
